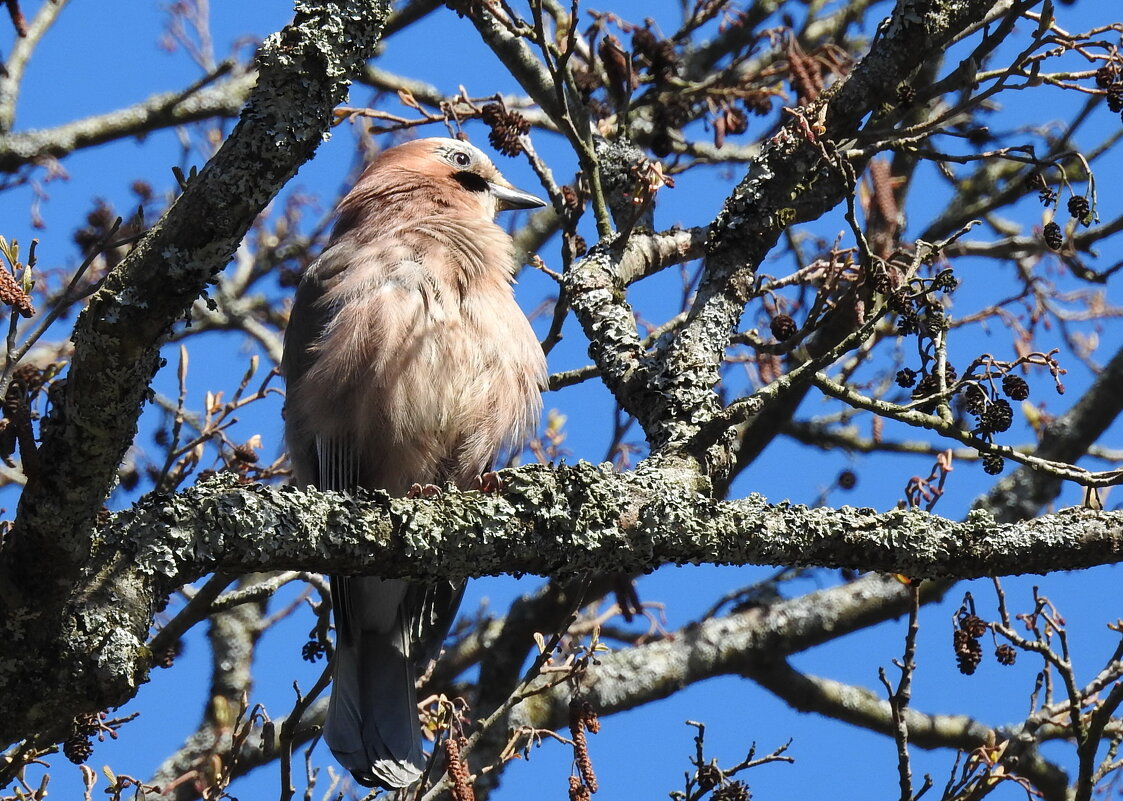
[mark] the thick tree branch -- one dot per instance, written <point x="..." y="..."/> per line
<point x="46" y="607"/>
<point x="728" y="645"/>
<point x="555" y="521"/>
<point x="571" y="519"/>
<point x="791" y="180"/>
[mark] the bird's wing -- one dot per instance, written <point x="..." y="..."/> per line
<point x="372" y="725"/>
<point x="307" y="321"/>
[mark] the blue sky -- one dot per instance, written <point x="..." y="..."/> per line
<point x="93" y="62"/>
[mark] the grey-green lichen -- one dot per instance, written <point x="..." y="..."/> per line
<point x="573" y="518"/>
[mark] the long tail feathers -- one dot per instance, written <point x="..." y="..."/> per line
<point x="385" y="629"/>
<point x="372" y="726"/>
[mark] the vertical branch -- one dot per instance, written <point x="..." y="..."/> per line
<point x="900" y="698"/>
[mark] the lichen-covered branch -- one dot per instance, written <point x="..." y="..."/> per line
<point x="570" y="519"/>
<point x="47" y="608"/>
<point x="792" y="179"/>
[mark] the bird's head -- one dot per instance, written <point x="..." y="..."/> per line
<point x="446" y="172"/>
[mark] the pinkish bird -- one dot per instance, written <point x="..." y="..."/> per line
<point x="407" y="361"/>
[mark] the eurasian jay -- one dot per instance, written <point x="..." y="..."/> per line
<point x="407" y="361"/>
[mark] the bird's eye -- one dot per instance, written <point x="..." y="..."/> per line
<point x="462" y="159"/>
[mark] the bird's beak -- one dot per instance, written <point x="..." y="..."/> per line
<point x="510" y="198"/>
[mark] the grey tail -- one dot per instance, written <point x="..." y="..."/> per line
<point x="386" y="631"/>
<point x="372" y="726"/>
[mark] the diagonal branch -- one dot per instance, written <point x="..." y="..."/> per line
<point x="11" y="73"/>
<point x="164" y="110"/>
<point x="50" y="607"/>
